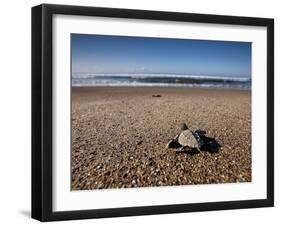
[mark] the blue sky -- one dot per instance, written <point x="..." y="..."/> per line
<point x="121" y="54"/>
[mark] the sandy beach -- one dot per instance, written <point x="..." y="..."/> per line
<point x="119" y="136"/>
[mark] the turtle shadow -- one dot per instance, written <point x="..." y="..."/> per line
<point x="210" y="145"/>
<point x="174" y="145"/>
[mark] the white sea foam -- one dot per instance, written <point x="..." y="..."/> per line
<point x="148" y="75"/>
<point x="160" y="80"/>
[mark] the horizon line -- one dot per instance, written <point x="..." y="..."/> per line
<point x="153" y="73"/>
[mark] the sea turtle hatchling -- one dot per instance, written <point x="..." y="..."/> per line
<point x="186" y="140"/>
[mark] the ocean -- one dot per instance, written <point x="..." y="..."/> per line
<point x="160" y="80"/>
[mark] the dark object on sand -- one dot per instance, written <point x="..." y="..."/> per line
<point x="156" y="95"/>
<point x="186" y="140"/>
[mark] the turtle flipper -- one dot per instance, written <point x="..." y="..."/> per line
<point x="173" y="143"/>
<point x="170" y="144"/>
<point x="180" y="149"/>
<point x="198" y="149"/>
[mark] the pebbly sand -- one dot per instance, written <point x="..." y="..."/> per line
<point x="119" y="137"/>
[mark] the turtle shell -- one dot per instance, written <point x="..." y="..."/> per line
<point x="189" y="139"/>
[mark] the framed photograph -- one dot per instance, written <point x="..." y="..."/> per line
<point x="145" y="112"/>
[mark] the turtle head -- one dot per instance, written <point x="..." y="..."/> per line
<point x="183" y="127"/>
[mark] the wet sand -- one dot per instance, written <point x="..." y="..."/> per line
<point x="119" y="137"/>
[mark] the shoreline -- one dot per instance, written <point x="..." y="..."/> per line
<point x="160" y="87"/>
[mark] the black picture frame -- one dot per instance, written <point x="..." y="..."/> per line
<point x="42" y="111"/>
